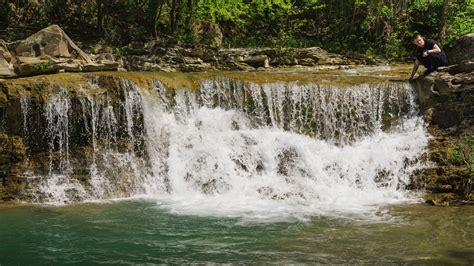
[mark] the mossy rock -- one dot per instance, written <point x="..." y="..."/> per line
<point x="18" y="149"/>
<point x="441" y="199"/>
<point x="3" y="99"/>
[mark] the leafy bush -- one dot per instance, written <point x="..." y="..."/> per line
<point x="381" y="27"/>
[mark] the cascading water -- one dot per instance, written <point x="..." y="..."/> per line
<point x="103" y="162"/>
<point x="276" y="150"/>
<point x="241" y="149"/>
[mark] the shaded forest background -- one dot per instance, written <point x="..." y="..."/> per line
<point x="371" y="27"/>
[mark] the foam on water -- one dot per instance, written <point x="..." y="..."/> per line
<point x="219" y="163"/>
<point x="239" y="149"/>
<point x="216" y="170"/>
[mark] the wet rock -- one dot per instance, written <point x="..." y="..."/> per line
<point x="288" y="163"/>
<point x="443" y="199"/>
<point x="40" y="149"/>
<point x="269" y="193"/>
<point x="450" y="172"/>
<point x="18" y="150"/>
<point x="12" y="153"/>
<point x="450" y="98"/>
<point x="3" y="99"/>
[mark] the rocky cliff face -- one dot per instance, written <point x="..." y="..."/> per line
<point x="49" y="130"/>
<point x="447" y="100"/>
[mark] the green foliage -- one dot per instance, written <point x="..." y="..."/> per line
<point x="462" y="23"/>
<point x="222" y="11"/>
<point x="42" y="66"/>
<point x="470" y="160"/>
<point x="463" y="153"/>
<point x="373" y="27"/>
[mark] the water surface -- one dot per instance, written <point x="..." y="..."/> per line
<point x="144" y="231"/>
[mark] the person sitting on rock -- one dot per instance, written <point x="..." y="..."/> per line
<point x="429" y="54"/>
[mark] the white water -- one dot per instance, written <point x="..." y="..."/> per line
<point x="220" y="163"/>
<point x="57" y="119"/>
<point x="244" y="150"/>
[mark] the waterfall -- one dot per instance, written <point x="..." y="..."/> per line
<point x="57" y="118"/>
<point x="25" y="104"/>
<point x="263" y="150"/>
<point x="93" y="146"/>
<point x="236" y="148"/>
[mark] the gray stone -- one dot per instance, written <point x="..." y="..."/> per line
<point x="462" y="50"/>
<point x="50" y="50"/>
<point x="52" y="41"/>
<point x="306" y="61"/>
<point x="257" y="61"/>
<point x="6" y="66"/>
<point x="6" y="69"/>
<point x="462" y="67"/>
<point x="192" y="60"/>
<point x="195" y="67"/>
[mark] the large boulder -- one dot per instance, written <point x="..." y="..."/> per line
<point x="51" y="41"/>
<point x="462" y="50"/>
<point x="49" y="50"/>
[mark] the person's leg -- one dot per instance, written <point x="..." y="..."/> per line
<point x="436" y="60"/>
<point x="425" y="61"/>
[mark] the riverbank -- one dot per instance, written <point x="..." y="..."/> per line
<point x="446" y="99"/>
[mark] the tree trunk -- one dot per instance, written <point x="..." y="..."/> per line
<point x="174" y="15"/>
<point x="444" y="18"/>
<point x="154" y="13"/>
<point x="100" y="17"/>
<point x="190" y="10"/>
